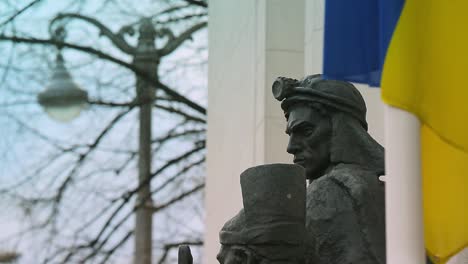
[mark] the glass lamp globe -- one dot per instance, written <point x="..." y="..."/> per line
<point x="62" y="99"/>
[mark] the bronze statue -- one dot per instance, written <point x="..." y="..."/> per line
<point x="326" y="123"/>
<point x="271" y="226"/>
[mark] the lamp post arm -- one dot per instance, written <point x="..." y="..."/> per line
<point x="175" y="42"/>
<point x="165" y="32"/>
<point x="117" y="39"/>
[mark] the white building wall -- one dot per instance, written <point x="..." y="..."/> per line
<point x="231" y="115"/>
<point x="251" y="43"/>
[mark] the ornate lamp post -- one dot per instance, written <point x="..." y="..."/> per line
<point x="146" y="57"/>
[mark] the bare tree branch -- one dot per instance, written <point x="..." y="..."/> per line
<point x="100" y="240"/>
<point x="197" y="3"/>
<point x="178" y="198"/>
<point x="171" y="9"/>
<point x="152" y="80"/>
<point x="132" y="103"/>
<point x="178" y="175"/>
<point x="19" y="12"/>
<point x="174" y="44"/>
<point x="177" y="19"/>
<point x="171" y="162"/>
<point x="61" y="190"/>
<point x="171" y="135"/>
<point x="40" y="135"/>
<point x="111" y="251"/>
<point x="188" y="117"/>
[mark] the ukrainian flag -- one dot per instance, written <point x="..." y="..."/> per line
<point x="417" y="51"/>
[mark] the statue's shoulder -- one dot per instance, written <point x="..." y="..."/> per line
<point x="354" y="180"/>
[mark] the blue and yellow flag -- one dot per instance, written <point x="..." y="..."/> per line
<point x="417" y="50"/>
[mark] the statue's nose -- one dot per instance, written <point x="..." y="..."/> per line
<point x="293" y="145"/>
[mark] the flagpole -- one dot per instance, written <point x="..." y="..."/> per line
<point x="403" y="189"/>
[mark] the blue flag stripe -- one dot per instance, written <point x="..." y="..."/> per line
<point x="357" y="35"/>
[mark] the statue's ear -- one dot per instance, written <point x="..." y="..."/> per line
<point x="242" y="255"/>
<point x="250" y="257"/>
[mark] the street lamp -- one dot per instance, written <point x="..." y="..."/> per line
<point x="64" y="95"/>
<point x="63" y="100"/>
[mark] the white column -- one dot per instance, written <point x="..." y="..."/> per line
<point x="251" y="42"/>
<point x="403" y="189"/>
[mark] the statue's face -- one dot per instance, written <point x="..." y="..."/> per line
<point x="235" y="255"/>
<point x="309" y="139"/>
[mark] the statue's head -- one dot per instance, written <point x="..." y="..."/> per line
<point x="326" y="122"/>
<point x="271" y="226"/>
<point x="234" y="249"/>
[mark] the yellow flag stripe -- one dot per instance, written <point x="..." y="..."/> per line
<point x="425" y="73"/>
<point x="445" y="196"/>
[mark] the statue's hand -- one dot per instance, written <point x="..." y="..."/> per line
<point x="185" y="256"/>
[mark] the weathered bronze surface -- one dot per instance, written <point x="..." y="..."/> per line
<point x="340" y="217"/>
<point x="271" y="226"/>
<point x="326" y="123"/>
